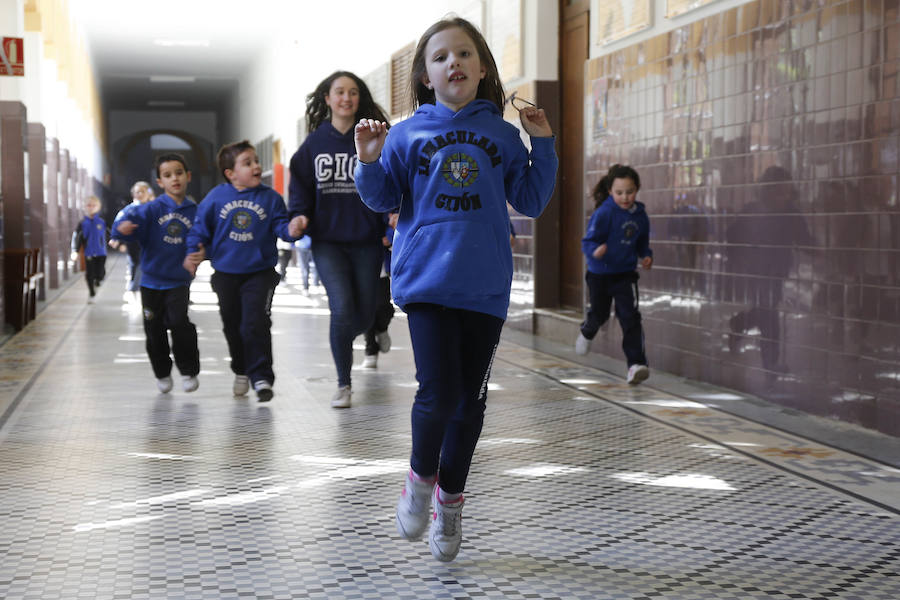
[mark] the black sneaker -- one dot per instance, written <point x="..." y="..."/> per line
<point x="264" y="391"/>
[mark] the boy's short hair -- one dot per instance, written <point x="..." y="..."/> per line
<point x="169" y="157"/>
<point x="228" y="154"/>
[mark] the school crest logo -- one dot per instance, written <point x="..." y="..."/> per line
<point x="173" y="228"/>
<point x="460" y="170"/>
<point x="629" y="230"/>
<point x="241" y="219"/>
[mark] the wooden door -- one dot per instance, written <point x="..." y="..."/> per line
<point x="573" y="55"/>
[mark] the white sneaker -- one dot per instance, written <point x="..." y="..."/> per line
<point x="264" y="391"/>
<point x="370" y="361"/>
<point x="637" y="374"/>
<point x="412" y="508"/>
<point x="164" y="384"/>
<point x="446" y="528"/>
<point x="582" y="344"/>
<point x="341" y="398"/>
<point x="241" y="385"/>
<point x="384" y="341"/>
<point x="190" y="383"/>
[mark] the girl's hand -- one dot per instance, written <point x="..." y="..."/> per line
<point x="369" y="136"/>
<point x="297" y="226"/>
<point x="534" y="122"/>
<point x="647" y="262"/>
<point x="126" y="227"/>
<point x="600" y="251"/>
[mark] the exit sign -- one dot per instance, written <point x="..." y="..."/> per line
<point x="12" y="56"/>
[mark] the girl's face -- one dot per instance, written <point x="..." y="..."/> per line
<point x="453" y="68"/>
<point x="343" y="98"/>
<point x="624" y="192"/>
<point x="91" y="207"/>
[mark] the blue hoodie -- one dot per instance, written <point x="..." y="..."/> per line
<point x="162" y="230"/>
<point x="93" y="233"/>
<point x="238" y="228"/>
<point x="322" y="189"/>
<point x="455" y="173"/>
<point x="625" y="233"/>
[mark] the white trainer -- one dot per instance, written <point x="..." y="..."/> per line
<point x="637" y="374"/>
<point x="582" y="344"/>
<point x="341" y="398"/>
<point x="412" y="508"/>
<point x="446" y="528"/>
<point x="384" y="341"/>
<point x="189" y="383"/>
<point x="241" y="385"/>
<point x="164" y="384"/>
<point x="370" y="361"/>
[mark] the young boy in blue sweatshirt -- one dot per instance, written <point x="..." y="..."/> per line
<point x="160" y="227"/>
<point x="618" y="235"/>
<point x="90" y="234"/>
<point x="236" y="228"/>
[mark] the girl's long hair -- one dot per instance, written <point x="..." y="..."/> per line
<point x="490" y="88"/>
<point x="601" y="190"/>
<point x="317" y="110"/>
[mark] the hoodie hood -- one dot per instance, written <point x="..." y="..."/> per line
<point x="439" y="111"/>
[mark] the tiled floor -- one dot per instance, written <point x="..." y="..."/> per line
<point x="582" y="487"/>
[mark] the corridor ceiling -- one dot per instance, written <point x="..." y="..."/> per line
<point x="196" y="51"/>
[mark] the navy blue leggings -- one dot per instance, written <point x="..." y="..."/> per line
<point x="454" y="350"/>
<point x="623" y="288"/>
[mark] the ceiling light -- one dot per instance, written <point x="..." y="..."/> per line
<point x="165" y="103"/>
<point x="186" y="43"/>
<point x="172" y="79"/>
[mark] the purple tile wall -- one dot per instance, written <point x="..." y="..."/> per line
<point x="766" y="137"/>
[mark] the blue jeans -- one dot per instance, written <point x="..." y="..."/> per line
<point x="454" y="350"/>
<point x="350" y="275"/>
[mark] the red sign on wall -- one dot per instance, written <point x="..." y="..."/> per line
<point x="12" y="56"/>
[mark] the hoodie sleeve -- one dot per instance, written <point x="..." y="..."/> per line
<point x="379" y="183"/>
<point x="597" y="231"/>
<point x="138" y="216"/>
<point x="302" y="187"/>
<point x="530" y="179"/>
<point x="280" y="219"/>
<point x="202" y="230"/>
<point x="642" y="244"/>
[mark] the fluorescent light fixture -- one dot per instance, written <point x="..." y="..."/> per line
<point x="172" y="79"/>
<point x="165" y="103"/>
<point x="183" y="43"/>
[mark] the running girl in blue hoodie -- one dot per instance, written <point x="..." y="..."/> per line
<point x="236" y="227"/>
<point x="455" y="164"/>
<point x="618" y="235"/>
<point x="346" y="234"/>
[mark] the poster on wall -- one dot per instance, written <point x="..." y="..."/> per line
<point x="12" y="56"/>
<point x="506" y="37"/>
<point x="599" y="108"/>
<point x="620" y="18"/>
<point x="679" y="7"/>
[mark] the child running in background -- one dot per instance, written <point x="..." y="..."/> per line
<point x="454" y="164"/>
<point x="618" y="235"/>
<point x="90" y="236"/>
<point x="236" y="227"/>
<point x="377" y="337"/>
<point x="160" y="227"/>
<point x="141" y="193"/>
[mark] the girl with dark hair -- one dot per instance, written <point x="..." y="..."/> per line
<point x="618" y="234"/>
<point x="324" y="204"/>
<point x="454" y="164"/>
